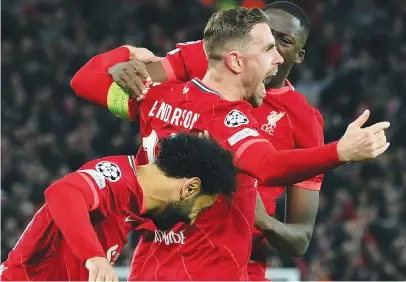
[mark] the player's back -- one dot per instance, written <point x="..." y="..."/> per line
<point x="217" y="245"/>
<point x="42" y="253"/>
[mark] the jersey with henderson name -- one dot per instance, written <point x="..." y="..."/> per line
<point x="172" y="107"/>
<point x="285" y="118"/>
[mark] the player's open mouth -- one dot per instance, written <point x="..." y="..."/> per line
<point x="269" y="76"/>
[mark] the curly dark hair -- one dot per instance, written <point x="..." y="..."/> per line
<point x="187" y="155"/>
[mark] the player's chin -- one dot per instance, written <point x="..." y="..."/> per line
<point x="256" y="101"/>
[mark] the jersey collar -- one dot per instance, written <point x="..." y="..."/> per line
<point x="204" y="88"/>
<point x="277" y="91"/>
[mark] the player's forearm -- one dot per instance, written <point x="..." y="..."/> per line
<point x="292" y="239"/>
<point x="69" y="209"/>
<point x="93" y="83"/>
<point x="293" y="166"/>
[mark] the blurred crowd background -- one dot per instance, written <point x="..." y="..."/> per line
<point x="355" y="59"/>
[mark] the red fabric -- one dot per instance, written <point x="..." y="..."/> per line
<point x="92" y="82"/>
<point x="172" y="107"/>
<point x="188" y="60"/>
<point x="334" y="54"/>
<point x="94" y="74"/>
<point x="294" y="124"/>
<point x="74" y="195"/>
<point x="253" y="4"/>
<point x="85" y="215"/>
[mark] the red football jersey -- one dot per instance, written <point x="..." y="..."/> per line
<point x="42" y="253"/>
<point x="218" y="245"/>
<point x="289" y="122"/>
<point x="285" y="118"/>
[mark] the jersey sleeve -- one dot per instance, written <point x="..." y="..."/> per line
<point x="185" y="62"/>
<point x="111" y="181"/>
<point x="310" y="134"/>
<point x="174" y="65"/>
<point x="237" y="131"/>
<point x="103" y="185"/>
<point x="93" y="83"/>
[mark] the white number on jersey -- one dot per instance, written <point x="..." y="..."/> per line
<point x="149" y="144"/>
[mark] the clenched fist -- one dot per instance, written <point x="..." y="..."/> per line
<point x="360" y="144"/>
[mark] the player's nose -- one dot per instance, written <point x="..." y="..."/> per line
<point x="277" y="58"/>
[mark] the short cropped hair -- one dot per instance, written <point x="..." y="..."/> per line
<point x="293" y="10"/>
<point x="234" y="24"/>
<point x="186" y="155"/>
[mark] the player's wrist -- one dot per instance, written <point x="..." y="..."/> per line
<point x="132" y="52"/>
<point x="94" y="255"/>
<point x="343" y="151"/>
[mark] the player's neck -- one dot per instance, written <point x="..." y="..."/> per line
<point x="276" y="85"/>
<point x="150" y="179"/>
<point x="277" y="82"/>
<point x="230" y="90"/>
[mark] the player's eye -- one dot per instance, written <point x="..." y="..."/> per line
<point x="285" y="41"/>
<point x="270" y="47"/>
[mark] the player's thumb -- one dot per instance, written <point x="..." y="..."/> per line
<point x="361" y="120"/>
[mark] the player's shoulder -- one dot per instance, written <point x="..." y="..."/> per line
<point x="189" y="45"/>
<point x="233" y="114"/>
<point x="111" y="168"/>
<point x="300" y="105"/>
<point x="159" y="88"/>
<point x="187" y="48"/>
<point x="166" y="84"/>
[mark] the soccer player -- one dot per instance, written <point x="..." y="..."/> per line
<point x="83" y="226"/>
<point x="285" y="118"/>
<point x="241" y="52"/>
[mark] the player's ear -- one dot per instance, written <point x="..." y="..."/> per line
<point x="234" y="62"/>
<point x="300" y="56"/>
<point x="190" y="188"/>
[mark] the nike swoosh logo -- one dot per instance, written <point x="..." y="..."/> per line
<point x="129" y="219"/>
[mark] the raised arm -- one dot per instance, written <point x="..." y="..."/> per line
<point x="94" y="83"/>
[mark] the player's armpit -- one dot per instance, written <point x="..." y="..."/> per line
<point x="69" y="202"/>
<point x="260" y="160"/>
